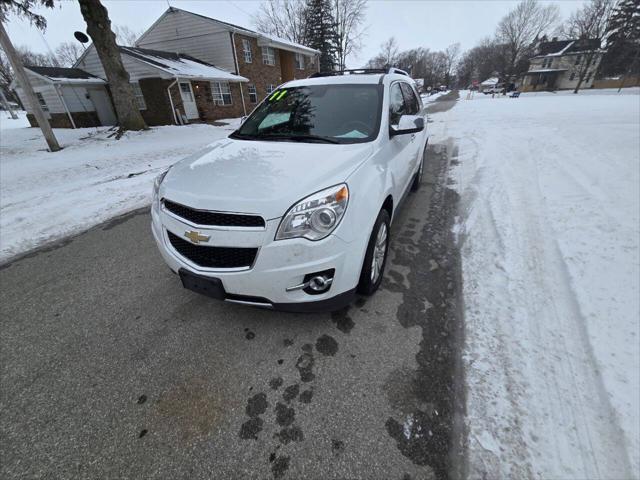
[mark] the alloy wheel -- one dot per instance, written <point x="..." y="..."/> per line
<point x="379" y="253"/>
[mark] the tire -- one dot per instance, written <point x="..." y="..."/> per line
<point x="370" y="279"/>
<point x="417" y="179"/>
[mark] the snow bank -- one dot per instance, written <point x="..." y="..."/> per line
<point x="46" y="196"/>
<point x="549" y="234"/>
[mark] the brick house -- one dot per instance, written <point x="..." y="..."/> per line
<point x="557" y="64"/>
<point x="266" y="61"/>
<point x="174" y="88"/>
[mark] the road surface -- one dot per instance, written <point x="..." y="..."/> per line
<point x="109" y="369"/>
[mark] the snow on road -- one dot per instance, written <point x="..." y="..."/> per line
<point x="46" y="196"/>
<point x="549" y="236"/>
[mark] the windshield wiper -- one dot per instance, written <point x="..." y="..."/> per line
<point x="300" y="138"/>
<point x="283" y="137"/>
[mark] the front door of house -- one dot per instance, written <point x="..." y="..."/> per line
<point x="188" y="100"/>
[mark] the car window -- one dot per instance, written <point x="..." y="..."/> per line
<point x="343" y="113"/>
<point x="411" y="101"/>
<point x="396" y="104"/>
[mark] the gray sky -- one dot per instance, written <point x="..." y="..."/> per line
<point x="427" y="23"/>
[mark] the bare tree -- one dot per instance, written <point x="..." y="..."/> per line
<point x="588" y="25"/>
<point x="284" y="19"/>
<point x="24" y="8"/>
<point x="451" y="55"/>
<point x="99" y="29"/>
<point x="389" y="52"/>
<point x="126" y="36"/>
<point x="520" y="28"/>
<point x="68" y="53"/>
<point x="349" y="16"/>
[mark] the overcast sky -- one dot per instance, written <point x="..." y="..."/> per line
<point x="427" y="23"/>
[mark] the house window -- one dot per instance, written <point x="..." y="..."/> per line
<point x="268" y="56"/>
<point x="221" y="93"/>
<point x="572" y="76"/>
<point x="270" y="88"/>
<point x="185" y="89"/>
<point x="253" y="94"/>
<point x="578" y="59"/>
<point x="299" y="61"/>
<point x="42" y="102"/>
<point x="137" y="92"/>
<point x="246" y="49"/>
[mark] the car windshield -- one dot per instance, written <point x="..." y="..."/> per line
<point x="317" y="113"/>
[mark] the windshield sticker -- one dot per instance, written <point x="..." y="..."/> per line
<point x="352" y="134"/>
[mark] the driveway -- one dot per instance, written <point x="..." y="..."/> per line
<point x="109" y="369"/>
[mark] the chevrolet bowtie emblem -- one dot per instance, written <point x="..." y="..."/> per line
<point x="196" y="237"/>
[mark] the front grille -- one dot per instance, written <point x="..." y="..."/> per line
<point x="213" y="257"/>
<point x="218" y="219"/>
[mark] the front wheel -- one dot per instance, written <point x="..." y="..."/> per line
<point x="375" y="258"/>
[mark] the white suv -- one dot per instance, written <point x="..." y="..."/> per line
<point x="292" y="211"/>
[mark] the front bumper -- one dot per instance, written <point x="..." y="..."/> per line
<point x="278" y="264"/>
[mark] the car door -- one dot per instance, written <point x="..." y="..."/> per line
<point x="412" y="107"/>
<point x="400" y="145"/>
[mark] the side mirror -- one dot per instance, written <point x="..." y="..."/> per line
<point x="407" y="124"/>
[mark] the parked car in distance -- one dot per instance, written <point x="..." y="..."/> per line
<point x="293" y="211"/>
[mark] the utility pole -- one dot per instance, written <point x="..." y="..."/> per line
<point x="7" y="107"/>
<point x="30" y="95"/>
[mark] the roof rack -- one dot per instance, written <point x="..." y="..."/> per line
<point x="359" y="71"/>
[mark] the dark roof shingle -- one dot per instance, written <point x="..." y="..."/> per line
<point x="60" y="72"/>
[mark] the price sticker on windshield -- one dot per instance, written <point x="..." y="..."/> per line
<point x="277" y="95"/>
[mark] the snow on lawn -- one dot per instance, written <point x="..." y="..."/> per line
<point x="549" y="236"/>
<point x="45" y="196"/>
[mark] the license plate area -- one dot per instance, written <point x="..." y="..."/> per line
<point x="211" y="287"/>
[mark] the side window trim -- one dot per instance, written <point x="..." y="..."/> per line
<point x="393" y="84"/>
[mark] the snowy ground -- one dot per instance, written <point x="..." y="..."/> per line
<point x="549" y="235"/>
<point x="46" y="196"/>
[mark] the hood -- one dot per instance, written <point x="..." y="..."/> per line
<point x="264" y="178"/>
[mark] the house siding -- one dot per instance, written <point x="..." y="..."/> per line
<point x="48" y="93"/>
<point x="183" y="32"/>
<point x="135" y="68"/>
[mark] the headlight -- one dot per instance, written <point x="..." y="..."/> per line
<point x="316" y="216"/>
<point x="158" y="180"/>
<point x="156" y="187"/>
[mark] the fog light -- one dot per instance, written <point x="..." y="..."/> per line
<point x="315" y="283"/>
<point x="319" y="283"/>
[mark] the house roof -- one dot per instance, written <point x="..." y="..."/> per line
<point x="491" y="81"/>
<point x="180" y="65"/>
<point x="546" y="70"/>
<point x="264" y="39"/>
<point x="564" y="47"/>
<point x="64" y="75"/>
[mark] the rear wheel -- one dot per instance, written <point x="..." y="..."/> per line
<point x="375" y="258"/>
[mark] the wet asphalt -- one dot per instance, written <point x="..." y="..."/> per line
<point x="109" y="369"/>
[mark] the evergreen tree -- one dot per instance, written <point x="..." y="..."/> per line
<point x="322" y="32"/>
<point x="623" y="40"/>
